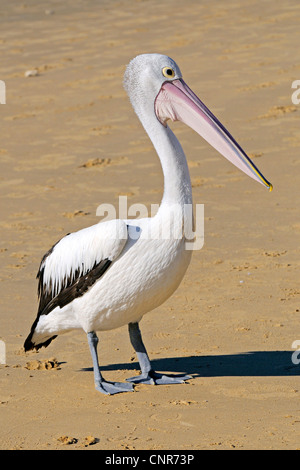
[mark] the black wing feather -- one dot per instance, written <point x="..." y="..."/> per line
<point x="72" y="289"/>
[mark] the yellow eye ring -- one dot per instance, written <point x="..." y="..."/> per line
<point x="168" y="72"/>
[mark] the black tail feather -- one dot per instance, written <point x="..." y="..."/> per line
<point x="30" y="345"/>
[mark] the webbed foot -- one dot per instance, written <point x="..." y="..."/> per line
<point x="111" y="388"/>
<point x="155" y="378"/>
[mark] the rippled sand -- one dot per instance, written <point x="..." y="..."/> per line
<point x="70" y="141"/>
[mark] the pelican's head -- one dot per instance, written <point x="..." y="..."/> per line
<point x="155" y="86"/>
<point x="145" y="75"/>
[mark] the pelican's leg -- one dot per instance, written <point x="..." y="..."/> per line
<point x="148" y="375"/>
<point x="109" y="388"/>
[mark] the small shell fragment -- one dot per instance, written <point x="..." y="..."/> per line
<point x="31" y="73"/>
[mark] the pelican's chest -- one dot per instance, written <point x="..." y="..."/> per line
<point x="160" y="259"/>
<point x="146" y="274"/>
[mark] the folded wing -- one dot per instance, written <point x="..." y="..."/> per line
<point x="74" y="264"/>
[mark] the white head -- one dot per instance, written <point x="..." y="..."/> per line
<point x="143" y="79"/>
<point x="157" y="92"/>
<point x="145" y="75"/>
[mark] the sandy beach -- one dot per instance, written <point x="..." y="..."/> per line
<point x="70" y="141"/>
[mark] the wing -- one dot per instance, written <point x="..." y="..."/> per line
<point x="77" y="261"/>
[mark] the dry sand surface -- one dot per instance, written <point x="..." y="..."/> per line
<point x="71" y="141"/>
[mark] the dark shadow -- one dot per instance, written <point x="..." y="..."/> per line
<point x="249" y="364"/>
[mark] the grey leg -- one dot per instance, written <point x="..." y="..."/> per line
<point x="108" y="388"/>
<point x="148" y="375"/>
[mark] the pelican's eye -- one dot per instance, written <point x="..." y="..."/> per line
<point x="168" y="72"/>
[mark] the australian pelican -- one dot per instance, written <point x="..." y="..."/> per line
<point x="112" y="273"/>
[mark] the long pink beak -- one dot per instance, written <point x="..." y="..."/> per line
<point x="176" y="101"/>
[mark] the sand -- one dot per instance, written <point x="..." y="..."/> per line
<point x="70" y="141"/>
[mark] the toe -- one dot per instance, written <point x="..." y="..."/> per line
<point x="172" y="379"/>
<point x="155" y="378"/>
<point x="141" y="379"/>
<point x="111" y="388"/>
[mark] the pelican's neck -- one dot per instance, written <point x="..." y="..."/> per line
<point x="177" y="183"/>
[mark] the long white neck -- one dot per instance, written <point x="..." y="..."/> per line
<point x="177" y="183"/>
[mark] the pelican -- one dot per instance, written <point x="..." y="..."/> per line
<point x="112" y="273"/>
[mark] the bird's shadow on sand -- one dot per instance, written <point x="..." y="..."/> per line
<point x="248" y="364"/>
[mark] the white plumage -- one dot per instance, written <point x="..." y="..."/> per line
<point x="77" y="253"/>
<point x="112" y="273"/>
